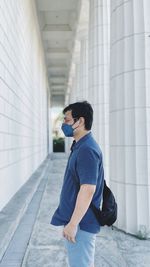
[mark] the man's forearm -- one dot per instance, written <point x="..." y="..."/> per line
<point x="83" y="201"/>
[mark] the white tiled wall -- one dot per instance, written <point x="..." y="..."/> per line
<point x="23" y="96"/>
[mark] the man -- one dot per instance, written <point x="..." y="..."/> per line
<point x="83" y="183"/>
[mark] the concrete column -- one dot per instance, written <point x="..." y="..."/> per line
<point x="98" y="95"/>
<point x="79" y="89"/>
<point x="78" y="81"/>
<point x="130" y="114"/>
<point x="72" y="97"/>
<point x="84" y="68"/>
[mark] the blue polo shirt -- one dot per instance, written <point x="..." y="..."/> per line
<point x="85" y="164"/>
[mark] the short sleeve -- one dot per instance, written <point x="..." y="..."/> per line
<point x="88" y="162"/>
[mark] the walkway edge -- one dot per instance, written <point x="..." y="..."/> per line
<point x="14" y="211"/>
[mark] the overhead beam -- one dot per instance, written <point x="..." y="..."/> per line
<point x="52" y="5"/>
<point x="56" y="27"/>
<point x="57" y="80"/>
<point x="57" y="69"/>
<point x="57" y="55"/>
<point x="57" y="35"/>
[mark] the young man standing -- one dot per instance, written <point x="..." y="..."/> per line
<point x="83" y="183"/>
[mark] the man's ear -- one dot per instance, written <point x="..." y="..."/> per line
<point x="82" y="121"/>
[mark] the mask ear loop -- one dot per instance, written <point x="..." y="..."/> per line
<point x="74" y="123"/>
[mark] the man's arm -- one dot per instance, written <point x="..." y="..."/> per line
<point x="83" y="201"/>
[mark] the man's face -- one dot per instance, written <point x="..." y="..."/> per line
<point x="68" y="119"/>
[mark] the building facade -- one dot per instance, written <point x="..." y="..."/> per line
<point x="102" y="56"/>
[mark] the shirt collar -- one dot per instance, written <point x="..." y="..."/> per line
<point x="77" y="144"/>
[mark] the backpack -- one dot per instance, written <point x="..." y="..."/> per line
<point x="108" y="214"/>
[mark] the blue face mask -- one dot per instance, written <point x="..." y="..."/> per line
<point x="67" y="129"/>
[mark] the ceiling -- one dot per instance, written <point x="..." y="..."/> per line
<point x="58" y="23"/>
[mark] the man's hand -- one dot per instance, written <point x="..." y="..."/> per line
<point x="83" y="201"/>
<point x="69" y="232"/>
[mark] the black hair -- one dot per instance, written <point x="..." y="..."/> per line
<point x="81" y="109"/>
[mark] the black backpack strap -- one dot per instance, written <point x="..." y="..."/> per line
<point x="92" y="206"/>
<point x="73" y="144"/>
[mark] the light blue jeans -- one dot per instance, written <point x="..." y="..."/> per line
<point x="81" y="253"/>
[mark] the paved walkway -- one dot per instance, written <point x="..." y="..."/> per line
<point x="45" y="246"/>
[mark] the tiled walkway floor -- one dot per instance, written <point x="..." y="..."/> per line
<point x="45" y="247"/>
